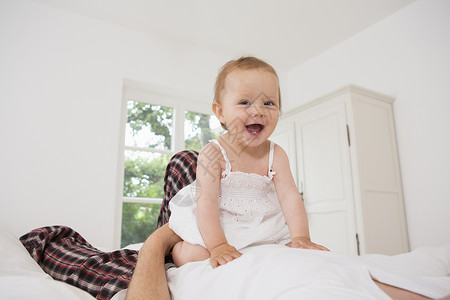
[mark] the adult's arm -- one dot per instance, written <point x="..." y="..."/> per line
<point x="149" y="278"/>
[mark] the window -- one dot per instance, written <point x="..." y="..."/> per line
<point x="199" y="129"/>
<point x="154" y="128"/>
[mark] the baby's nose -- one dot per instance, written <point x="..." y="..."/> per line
<point x="256" y="110"/>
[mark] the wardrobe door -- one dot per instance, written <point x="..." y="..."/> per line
<point x="379" y="182"/>
<point x="324" y="175"/>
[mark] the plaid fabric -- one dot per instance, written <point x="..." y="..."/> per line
<point x="180" y="171"/>
<point x="67" y="256"/>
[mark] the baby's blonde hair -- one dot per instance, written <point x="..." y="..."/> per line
<point x="242" y="63"/>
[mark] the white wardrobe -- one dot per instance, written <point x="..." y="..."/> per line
<point x="343" y="154"/>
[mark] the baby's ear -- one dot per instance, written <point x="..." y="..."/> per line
<point x="218" y="111"/>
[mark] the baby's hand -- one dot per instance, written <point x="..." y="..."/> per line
<point x="305" y="243"/>
<point x="223" y="254"/>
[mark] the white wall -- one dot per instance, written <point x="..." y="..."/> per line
<point x="406" y="55"/>
<point x="61" y="79"/>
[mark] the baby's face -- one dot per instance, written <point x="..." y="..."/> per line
<point x="250" y="105"/>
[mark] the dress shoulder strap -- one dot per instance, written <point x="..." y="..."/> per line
<point x="271" y="172"/>
<point x="227" y="161"/>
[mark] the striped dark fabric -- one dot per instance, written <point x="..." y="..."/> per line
<point x="180" y="171"/>
<point x="66" y="256"/>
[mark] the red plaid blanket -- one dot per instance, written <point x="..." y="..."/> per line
<point x="180" y="171"/>
<point x="67" y="256"/>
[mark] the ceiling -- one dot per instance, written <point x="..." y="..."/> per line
<point x="284" y="32"/>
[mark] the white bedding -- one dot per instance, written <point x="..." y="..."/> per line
<point x="263" y="272"/>
<point x="278" y="272"/>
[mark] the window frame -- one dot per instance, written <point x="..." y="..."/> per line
<point x="154" y="95"/>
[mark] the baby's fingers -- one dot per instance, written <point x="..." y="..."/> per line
<point x="320" y="247"/>
<point x="297" y="245"/>
<point x="229" y="257"/>
<point x="220" y="261"/>
<point x="214" y="263"/>
<point x="236" y="254"/>
<point x="223" y="260"/>
<point x="316" y="247"/>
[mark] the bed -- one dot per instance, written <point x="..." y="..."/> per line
<point x="262" y="272"/>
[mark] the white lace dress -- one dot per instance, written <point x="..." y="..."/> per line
<point x="250" y="213"/>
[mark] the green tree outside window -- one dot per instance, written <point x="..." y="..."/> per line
<point x="151" y="127"/>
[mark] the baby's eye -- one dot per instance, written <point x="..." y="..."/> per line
<point x="244" y="102"/>
<point x="269" y="103"/>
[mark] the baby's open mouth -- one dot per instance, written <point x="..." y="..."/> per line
<point x="254" y="128"/>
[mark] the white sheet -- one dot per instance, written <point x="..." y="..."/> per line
<point x="263" y="272"/>
<point x="278" y="272"/>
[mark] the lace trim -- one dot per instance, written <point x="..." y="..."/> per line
<point x="238" y="179"/>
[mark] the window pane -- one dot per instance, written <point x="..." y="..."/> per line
<point x="144" y="174"/>
<point x="149" y="126"/>
<point x="199" y="129"/>
<point x="138" y="222"/>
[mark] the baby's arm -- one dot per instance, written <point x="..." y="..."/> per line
<point x="291" y="203"/>
<point x="209" y="172"/>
